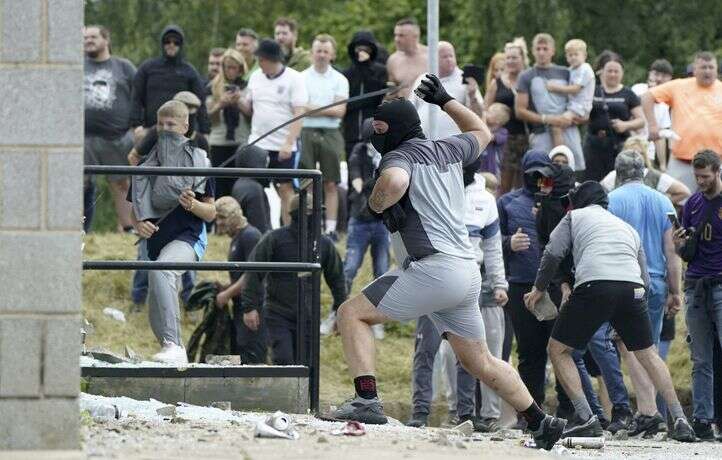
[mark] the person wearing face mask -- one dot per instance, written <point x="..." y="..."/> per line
<point x="159" y="79"/>
<point x="419" y="193"/>
<point x="185" y="204"/>
<point x="270" y="300"/>
<point x="611" y="284"/>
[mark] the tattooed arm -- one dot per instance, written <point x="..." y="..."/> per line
<point x="389" y="188"/>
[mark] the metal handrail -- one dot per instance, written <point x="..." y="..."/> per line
<point x="309" y="254"/>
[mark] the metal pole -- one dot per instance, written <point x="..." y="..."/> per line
<point x="432" y="32"/>
<point x="300" y="280"/>
<point x="315" y="361"/>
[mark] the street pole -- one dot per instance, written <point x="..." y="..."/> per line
<point x="432" y="27"/>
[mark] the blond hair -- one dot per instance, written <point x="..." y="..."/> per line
<point x="173" y="109"/>
<point x="491" y="182"/>
<point x="219" y="81"/>
<point x="228" y="208"/>
<point x="520" y="44"/>
<point x="543" y="37"/>
<point x="640" y="145"/>
<point x="497" y="57"/>
<point x="576" y="44"/>
<point x="325" y="38"/>
<point x="503" y="110"/>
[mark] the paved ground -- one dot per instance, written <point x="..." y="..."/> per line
<point x="209" y="433"/>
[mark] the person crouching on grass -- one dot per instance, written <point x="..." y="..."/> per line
<point x="181" y="236"/>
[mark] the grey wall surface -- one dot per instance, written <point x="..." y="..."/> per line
<point x="41" y="142"/>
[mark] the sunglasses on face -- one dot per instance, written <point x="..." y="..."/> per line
<point x="168" y="42"/>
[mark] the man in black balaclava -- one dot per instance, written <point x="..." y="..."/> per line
<point x="611" y="284"/>
<point x="159" y="79"/>
<point x="437" y="274"/>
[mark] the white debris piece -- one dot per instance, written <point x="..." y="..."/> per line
<point x="114" y="313"/>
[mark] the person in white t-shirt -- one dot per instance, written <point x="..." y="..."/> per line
<point x="464" y="91"/>
<point x="660" y="71"/>
<point x="321" y="140"/>
<point x="276" y="94"/>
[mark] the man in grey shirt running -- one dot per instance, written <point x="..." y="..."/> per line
<point x="420" y="196"/>
<point x="611" y="285"/>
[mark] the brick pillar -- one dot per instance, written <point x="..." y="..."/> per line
<point x="41" y="147"/>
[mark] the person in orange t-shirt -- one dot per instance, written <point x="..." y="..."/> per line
<point x="696" y="105"/>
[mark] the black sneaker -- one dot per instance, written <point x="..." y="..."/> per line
<point x="604" y="422"/>
<point x="621" y="419"/>
<point x="589" y="429"/>
<point x="648" y="425"/>
<point x="682" y="431"/>
<point x="489" y="425"/>
<point x="418" y="421"/>
<point x="362" y="410"/>
<point x="549" y="432"/>
<point x="703" y="430"/>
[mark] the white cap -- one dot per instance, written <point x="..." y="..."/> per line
<point x="566" y="151"/>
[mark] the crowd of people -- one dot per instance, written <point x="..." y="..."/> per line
<point x="551" y="205"/>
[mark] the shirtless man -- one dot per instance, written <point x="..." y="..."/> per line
<point x="410" y="58"/>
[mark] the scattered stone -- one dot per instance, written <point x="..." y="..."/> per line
<point x="511" y="434"/>
<point x="322" y="439"/>
<point x="224" y="360"/>
<point x="410" y="447"/>
<point x="621" y="435"/>
<point x="102" y="354"/>
<point x="496" y="438"/>
<point x="460" y="444"/>
<point x="607" y="434"/>
<point x="661" y="436"/>
<point x="132" y="355"/>
<point x="560" y="450"/>
<point x="442" y="439"/>
<point x="114" y="313"/>
<point x="394" y="441"/>
<point x="222" y="405"/>
<point x="166" y="411"/>
<point x="466" y="428"/>
<point x="177" y="419"/>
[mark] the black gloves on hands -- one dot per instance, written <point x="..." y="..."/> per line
<point x="431" y="91"/>
<point x="394" y="218"/>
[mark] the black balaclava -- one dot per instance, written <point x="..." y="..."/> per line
<point x="403" y="121"/>
<point x="587" y="194"/>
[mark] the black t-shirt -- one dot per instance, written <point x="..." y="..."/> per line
<point x="506" y="96"/>
<point x="610" y="106"/>
<point x="107" y="88"/>
<point x="240" y="250"/>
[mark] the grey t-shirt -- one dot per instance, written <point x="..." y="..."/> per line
<point x="107" y="88"/>
<point x="533" y="82"/>
<point x="435" y="202"/>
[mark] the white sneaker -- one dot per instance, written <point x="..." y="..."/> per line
<point x="171" y="353"/>
<point x="328" y="325"/>
<point x="378" y="330"/>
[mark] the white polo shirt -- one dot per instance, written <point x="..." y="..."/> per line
<point x="323" y="89"/>
<point x="273" y="102"/>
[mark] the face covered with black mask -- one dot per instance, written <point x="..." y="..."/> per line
<point x="403" y="121"/>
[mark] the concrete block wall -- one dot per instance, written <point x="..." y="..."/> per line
<point x="41" y="148"/>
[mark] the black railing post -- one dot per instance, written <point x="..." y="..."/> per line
<point x="315" y="364"/>
<point x="301" y="331"/>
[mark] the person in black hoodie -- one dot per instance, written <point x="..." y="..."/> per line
<point x="159" y="79"/>
<point x="365" y="75"/>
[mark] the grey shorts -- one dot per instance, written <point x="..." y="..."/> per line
<point x="443" y="287"/>
<point x="99" y="151"/>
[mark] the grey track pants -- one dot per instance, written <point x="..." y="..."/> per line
<point x="163" y="287"/>
<point x="426" y="347"/>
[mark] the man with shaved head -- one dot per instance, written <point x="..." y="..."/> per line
<point x="410" y="58"/>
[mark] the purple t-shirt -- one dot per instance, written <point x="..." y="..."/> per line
<point x="709" y="249"/>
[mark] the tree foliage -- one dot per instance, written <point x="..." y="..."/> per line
<point x="641" y="30"/>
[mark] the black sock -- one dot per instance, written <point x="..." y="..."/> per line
<point x="533" y="416"/>
<point x="365" y="386"/>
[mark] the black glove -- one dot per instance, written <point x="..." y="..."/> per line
<point x="431" y="91"/>
<point x="394" y="218"/>
<point x="368" y="187"/>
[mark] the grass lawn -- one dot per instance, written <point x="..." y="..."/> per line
<point x="394" y="354"/>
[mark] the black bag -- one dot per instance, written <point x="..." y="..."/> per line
<point x="689" y="251"/>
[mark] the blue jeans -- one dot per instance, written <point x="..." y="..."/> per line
<point x="655" y="305"/>
<point x="139" y="290"/>
<point x="604" y="353"/>
<point x="701" y="343"/>
<point x="586" y="380"/>
<point x="361" y="234"/>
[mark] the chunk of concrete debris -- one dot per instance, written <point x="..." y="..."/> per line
<point x="104" y="355"/>
<point x="224" y="360"/>
<point x="166" y="411"/>
<point x="114" y="313"/>
<point x="459" y="444"/>
<point x="621" y="435"/>
<point x="222" y="405"/>
<point x="466" y="428"/>
<point x="132" y="355"/>
<point x="322" y="439"/>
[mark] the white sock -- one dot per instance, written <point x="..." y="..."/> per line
<point x="330" y="225"/>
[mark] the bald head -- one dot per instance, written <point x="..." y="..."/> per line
<point x="447" y="59"/>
